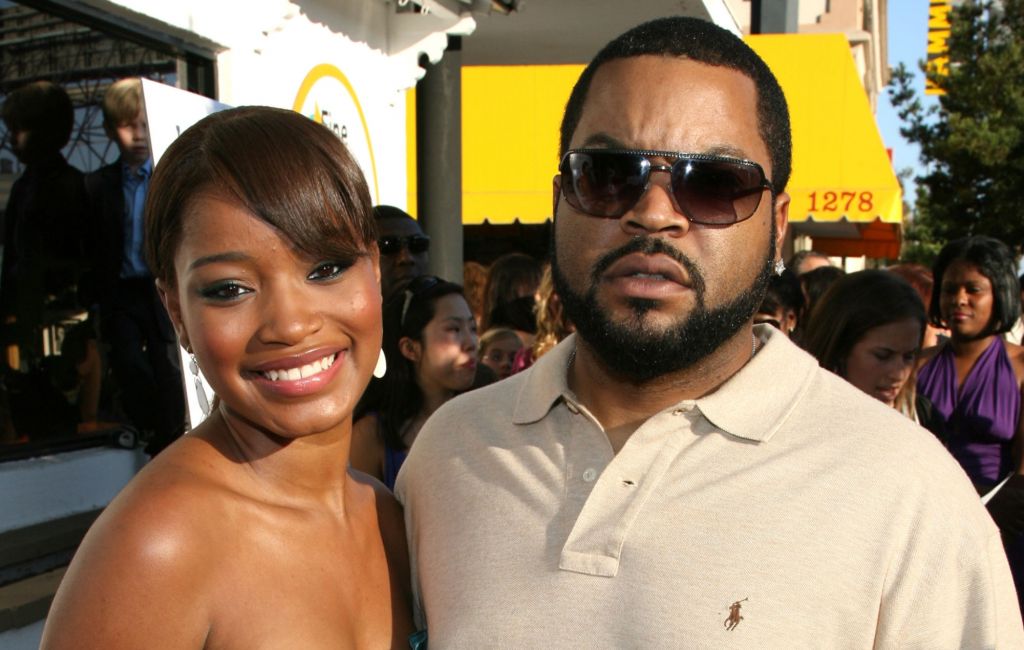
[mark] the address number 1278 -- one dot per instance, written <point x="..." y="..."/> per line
<point x="842" y="201"/>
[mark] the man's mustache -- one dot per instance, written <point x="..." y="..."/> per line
<point x="649" y="246"/>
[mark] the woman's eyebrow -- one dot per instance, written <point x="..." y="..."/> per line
<point x="231" y="256"/>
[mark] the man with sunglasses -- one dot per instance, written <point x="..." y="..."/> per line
<point x="672" y="476"/>
<point x="404" y="249"/>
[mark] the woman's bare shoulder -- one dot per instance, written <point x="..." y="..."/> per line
<point x="1016" y="356"/>
<point x="148" y="563"/>
<point x="390" y="519"/>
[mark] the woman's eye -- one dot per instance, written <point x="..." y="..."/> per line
<point x="224" y="291"/>
<point x="328" y="270"/>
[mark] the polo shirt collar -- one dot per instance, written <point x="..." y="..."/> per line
<point x="752" y="404"/>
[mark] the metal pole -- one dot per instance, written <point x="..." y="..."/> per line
<point x="439" y="160"/>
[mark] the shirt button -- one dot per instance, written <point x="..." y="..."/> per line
<point x="589" y="474"/>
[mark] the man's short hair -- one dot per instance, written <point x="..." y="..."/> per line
<point x="43" y="108"/>
<point x="122" y="102"/>
<point x="703" y="42"/>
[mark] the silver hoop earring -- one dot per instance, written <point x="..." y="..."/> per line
<point x="382" y="366"/>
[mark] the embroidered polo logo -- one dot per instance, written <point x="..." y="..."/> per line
<point x="734" y="615"/>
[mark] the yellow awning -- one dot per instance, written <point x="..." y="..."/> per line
<point x="510" y="119"/>
<point x="844" y="192"/>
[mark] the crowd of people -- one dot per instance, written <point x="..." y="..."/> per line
<point x="664" y="415"/>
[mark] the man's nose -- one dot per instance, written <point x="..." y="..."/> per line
<point x="656" y="211"/>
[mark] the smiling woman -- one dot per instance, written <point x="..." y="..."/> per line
<point x="260" y="234"/>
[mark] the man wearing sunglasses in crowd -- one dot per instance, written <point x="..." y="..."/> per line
<point x="404" y="249"/>
<point x="672" y="476"/>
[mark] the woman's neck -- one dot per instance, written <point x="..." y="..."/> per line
<point x="309" y="471"/>
<point x="970" y="348"/>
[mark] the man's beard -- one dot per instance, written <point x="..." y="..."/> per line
<point x="634" y="349"/>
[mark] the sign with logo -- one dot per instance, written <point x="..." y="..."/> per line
<point x="327" y="97"/>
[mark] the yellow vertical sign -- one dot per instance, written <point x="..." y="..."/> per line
<point x="938" y="46"/>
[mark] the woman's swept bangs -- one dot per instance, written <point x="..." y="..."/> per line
<point x="297" y="176"/>
<point x="287" y="170"/>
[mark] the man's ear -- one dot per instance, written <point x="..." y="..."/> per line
<point x="410" y="349"/>
<point x="781" y="217"/>
<point x="172" y="303"/>
<point x="556" y="192"/>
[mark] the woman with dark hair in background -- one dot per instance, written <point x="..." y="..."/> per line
<point x="430" y="344"/>
<point x="867" y="329"/>
<point x="247" y="532"/>
<point x="974" y="378"/>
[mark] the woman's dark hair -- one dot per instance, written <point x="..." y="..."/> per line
<point x="994" y="260"/>
<point x="784" y="292"/>
<point x="282" y="167"/>
<point x="853" y="305"/>
<point x="506" y="275"/>
<point x="396" y="398"/>
<point x="815" y="284"/>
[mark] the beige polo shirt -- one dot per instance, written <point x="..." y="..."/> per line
<point x="784" y="510"/>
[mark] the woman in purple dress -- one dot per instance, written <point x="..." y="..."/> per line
<point x="974" y="378"/>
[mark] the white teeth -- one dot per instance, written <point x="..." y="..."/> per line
<point x="650" y="275"/>
<point x="308" y="370"/>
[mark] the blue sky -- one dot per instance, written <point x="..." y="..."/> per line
<point x="908" y="39"/>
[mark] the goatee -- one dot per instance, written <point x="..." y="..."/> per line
<point x="639" y="352"/>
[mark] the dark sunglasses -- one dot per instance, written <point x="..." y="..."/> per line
<point x="708" y="189"/>
<point x="414" y="243"/>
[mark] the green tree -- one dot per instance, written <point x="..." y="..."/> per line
<point x="972" y="143"/>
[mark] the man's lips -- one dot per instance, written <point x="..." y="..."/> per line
<point x="655" y="267"/>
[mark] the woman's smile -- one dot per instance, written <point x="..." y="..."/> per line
<point x="298" y="376"/>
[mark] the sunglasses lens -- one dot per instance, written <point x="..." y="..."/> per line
<point x="604" y="184"/>
<point x="389" y="245"/>
<point x="717" y="192"/>
<point x="419" y="244"/>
